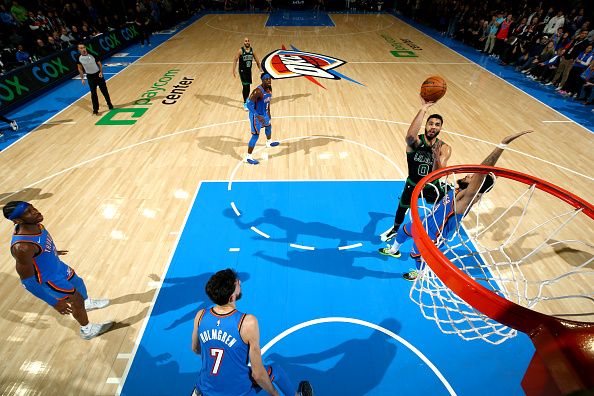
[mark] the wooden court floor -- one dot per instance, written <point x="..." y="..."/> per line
<point x="116" y="196"/>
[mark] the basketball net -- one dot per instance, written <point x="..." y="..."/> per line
<point x="501" y="247"/>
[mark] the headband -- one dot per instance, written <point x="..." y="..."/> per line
<point x="18" y="210"/>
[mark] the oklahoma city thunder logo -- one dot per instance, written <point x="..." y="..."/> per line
<point x="285" y="63"/>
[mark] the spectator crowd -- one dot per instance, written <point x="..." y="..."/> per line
<point x="31" y="30"/>
<point x="551" y="45"/>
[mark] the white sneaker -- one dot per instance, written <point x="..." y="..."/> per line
<point x="388" y="234"/>
<point x="95" y="330"/>
<point x="14" y="125"/>
<point x="91" y="304"/>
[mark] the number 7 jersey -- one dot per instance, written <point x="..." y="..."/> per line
<point x="225" y="356"/>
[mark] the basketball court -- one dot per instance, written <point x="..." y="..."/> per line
<point x="152" y="199"/>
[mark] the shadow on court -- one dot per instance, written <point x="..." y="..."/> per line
<point x="161" y="375"/>
<point x="186" y="293"/>
<point x="26" y="194"/>
<point x="331" y="262"/>
<point x="220" y="100"/>
<point x="293" y="228"/>
<point x="290" y="98"/>
<point x="307" y="144"/>
<point x="351" y="374"/>
<point x="223" y="145"/>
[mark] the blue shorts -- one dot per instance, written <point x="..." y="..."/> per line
<point x="256" y="125"/>
<point x="66" y="287"/>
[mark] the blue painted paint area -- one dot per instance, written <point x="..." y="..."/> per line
<point x="285" y="286"/>
<point x="47" y="105"/>
<point x="298" y="18"/>
<point x="572" y="109"/>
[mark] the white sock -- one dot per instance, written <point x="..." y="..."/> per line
<point x="394" y="248"/>
<point x="86" y="328"/>
<point x="249" y="156"/>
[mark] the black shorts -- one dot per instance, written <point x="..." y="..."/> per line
<point x="431" y="193"/>
<point x="245" y="76"/>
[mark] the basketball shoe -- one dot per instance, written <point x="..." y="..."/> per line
<point x="411" y="275"/>
<point x="386" y="252"/>
<point x="388" y="234"/>
<point x="91" y="304"/>
<point x="94" y="329"/>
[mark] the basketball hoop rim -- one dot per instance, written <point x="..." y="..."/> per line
<point x="484" y="300"/>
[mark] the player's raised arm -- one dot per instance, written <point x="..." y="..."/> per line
<point x="467" y="196"/>
<point x="412" y="135"/>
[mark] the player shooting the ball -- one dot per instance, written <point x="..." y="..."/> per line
<point x="447" y="214"/>
<point x="424" y="154"/>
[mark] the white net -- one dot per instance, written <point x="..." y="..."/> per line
<point x="504" y="243"/>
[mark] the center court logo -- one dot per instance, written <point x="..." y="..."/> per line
<point x="284" y="63"/>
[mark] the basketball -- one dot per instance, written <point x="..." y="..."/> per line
<point x="433" y="88"/>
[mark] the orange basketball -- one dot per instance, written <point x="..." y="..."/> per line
<point x="433" y="88"/>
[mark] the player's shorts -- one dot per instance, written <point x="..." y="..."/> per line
<point x="245" y="76"/>
<point x="431" y="192"/>
<point x="256" y="125"/>
<point x="65" y="287"/>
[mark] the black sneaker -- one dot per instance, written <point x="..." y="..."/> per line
<point x="110" y="106"/>
<point x="305" y="389"/>
<point x="95" y="113"/>
<point x="411" y="276"/>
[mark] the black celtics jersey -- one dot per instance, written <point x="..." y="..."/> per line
<point x="420" y="161"/>
<point x="246" y="59"/>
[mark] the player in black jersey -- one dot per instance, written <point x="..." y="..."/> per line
<point x="424" y="154"/>
<point x="245" y="56"/>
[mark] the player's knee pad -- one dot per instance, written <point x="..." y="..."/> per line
<point x="253" y="140"/>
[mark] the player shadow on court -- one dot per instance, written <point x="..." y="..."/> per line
<point x="159" y="375"/>
<point x="362" y="363"/>
<point x="307" y="144"/>
<point x="293" y="227"/>
<point x="222" y="145"/>
<point x="187" y="292"/>
<point x="220" y="100"/>
<point x="290" y="98"/>
<point x="26" y="194"/>
<point x="331" y="262"/>
<point x="53" y="124"/>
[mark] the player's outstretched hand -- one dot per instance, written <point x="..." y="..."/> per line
<point x="425" y="103"/>
<point x="511" y="138"/>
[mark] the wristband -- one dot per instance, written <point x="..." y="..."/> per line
<point x="35" y="288"/>
<point x="502" y="146"/>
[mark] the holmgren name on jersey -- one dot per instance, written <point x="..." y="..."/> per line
<point x="214" y="334"/>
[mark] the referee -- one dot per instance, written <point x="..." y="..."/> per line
<point x="245" y="56"/>
<point x="92" y="67"/>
